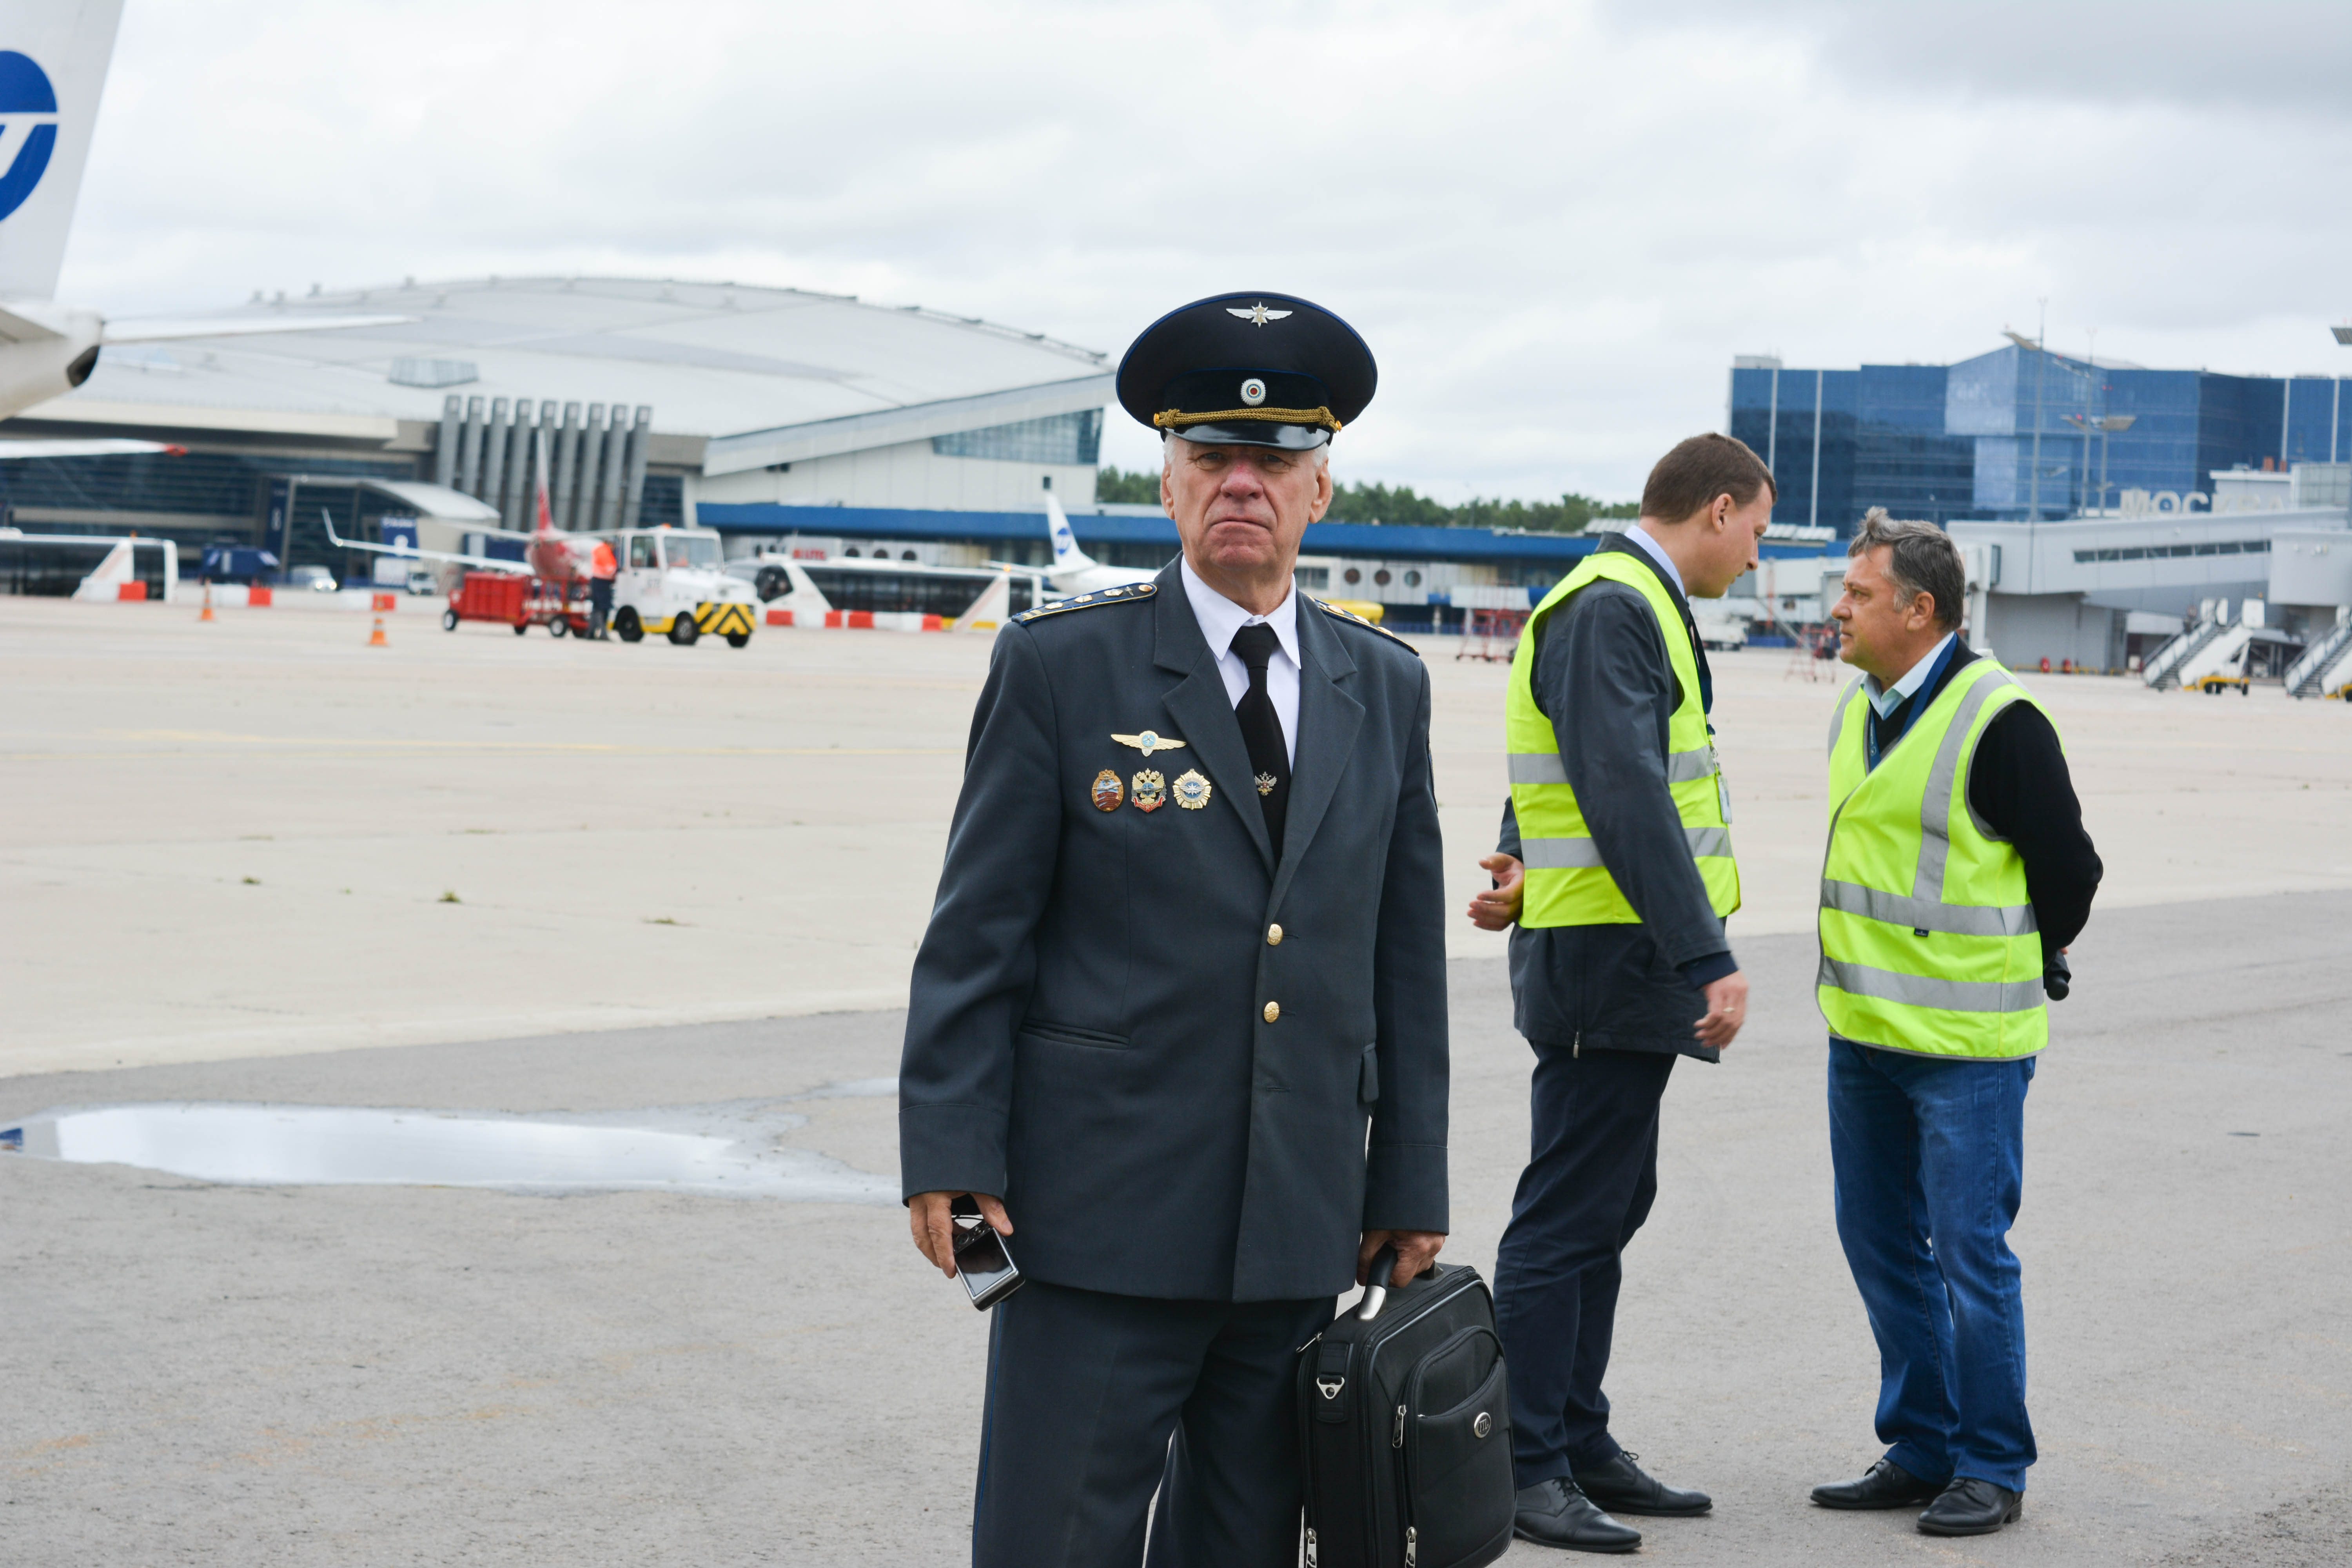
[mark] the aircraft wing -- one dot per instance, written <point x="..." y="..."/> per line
<point x="165" y="329"/>
<point x="407" y="553"/>
<point x="104" y="447"/>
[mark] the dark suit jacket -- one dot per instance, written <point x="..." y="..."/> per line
<point x="1087" y="1035"/>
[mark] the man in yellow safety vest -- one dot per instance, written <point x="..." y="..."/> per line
<point x="1616" y="866"/>
<point x="1958" y="871"/>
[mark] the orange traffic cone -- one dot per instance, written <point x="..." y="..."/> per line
<point x="208" y="603"/>
<point x="375" y="638"/>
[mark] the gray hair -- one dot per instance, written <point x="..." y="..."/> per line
<point x="1924" y="561"/>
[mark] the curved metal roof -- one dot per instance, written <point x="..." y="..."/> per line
<point x="714" y="359"/>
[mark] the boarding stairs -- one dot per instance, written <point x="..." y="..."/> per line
<point x="2326" y="665"/>
<point x="2166" y="665"/>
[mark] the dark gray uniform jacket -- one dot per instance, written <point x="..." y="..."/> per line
<point x="1087" y="1035"/>
<point x="1602" y="677"/>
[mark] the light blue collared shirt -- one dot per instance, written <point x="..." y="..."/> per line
<point x="1884" y="699"/>
<point x="1656" y="553"/>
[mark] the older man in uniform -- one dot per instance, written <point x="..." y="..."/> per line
<point x="1179" y="1022"/>
<point x="1958" y="871"/>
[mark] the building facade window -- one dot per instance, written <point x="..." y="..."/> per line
<point x="1074" y="439"/>
<point x="1352" y="576"/>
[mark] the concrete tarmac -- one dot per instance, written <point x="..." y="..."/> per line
<point x="312" y="1376"/>
<point x="261" y="836"/>
<point x="542" y="876"/>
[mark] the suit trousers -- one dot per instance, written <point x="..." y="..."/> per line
<point x="1096" y="1401"/>
<point x="1929" y="1158"/>
<point x="1591" y="1174"/>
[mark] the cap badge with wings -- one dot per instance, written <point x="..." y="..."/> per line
<point x="1257" y="315"/>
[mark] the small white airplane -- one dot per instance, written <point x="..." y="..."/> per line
<point x="53" y="63"/>
<point x="1074" y="570"/>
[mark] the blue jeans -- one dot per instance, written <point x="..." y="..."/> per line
<point x="1929" y="1157"/>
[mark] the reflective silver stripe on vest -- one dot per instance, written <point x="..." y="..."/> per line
<point x="1925" y="991"/>
<point x="1584" y="854"/>
<point x="1837" y="720"/>
<point x="1927" y="914"/>
<point x="1546" y="768"/>
<point x="1936" y="804"/>
<point x="1538" y="768"/>
<point x="1682" y="767"/>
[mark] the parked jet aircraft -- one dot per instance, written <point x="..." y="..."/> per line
<point x="1074" y="570"/>
<point x="53" y="61"/>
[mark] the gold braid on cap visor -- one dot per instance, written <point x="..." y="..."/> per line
<point x="1172" y="420"/>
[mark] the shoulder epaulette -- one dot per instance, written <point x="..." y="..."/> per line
<point x="1127" y="594"/>
<point x="1337" y="614"/>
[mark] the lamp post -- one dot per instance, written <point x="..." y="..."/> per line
<point x="2034" y="483"/>
<point x="2336" y="408"/>
<point x="2106" y="425"/>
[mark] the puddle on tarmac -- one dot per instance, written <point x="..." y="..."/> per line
<point x="724" y="1151"/>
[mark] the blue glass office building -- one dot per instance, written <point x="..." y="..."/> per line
<point x="1943" y="442"/>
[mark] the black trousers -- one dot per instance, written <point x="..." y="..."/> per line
<point x="1085" y="1391"/>
<point x="1592" y="1170"/>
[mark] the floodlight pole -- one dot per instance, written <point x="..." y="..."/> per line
<point x="2343" y="340"/>
<point x="2040" y="371"/>
<point x="1813" y="512"/>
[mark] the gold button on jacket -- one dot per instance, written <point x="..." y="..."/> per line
<point x="1273" y="1010"/>
<point x="1274" y="936"/>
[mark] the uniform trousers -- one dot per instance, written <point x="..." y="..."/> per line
<point x="1929" y="1160"/>
<point x="1591" y="1174"/>
<point x="1096" y="1401"/>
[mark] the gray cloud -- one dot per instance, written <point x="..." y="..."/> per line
<point x="1556" y="225"/>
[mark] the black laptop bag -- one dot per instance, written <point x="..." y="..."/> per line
<point x="1404" y="1428"/>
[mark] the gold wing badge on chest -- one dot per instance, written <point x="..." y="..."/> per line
<point x="1149" y="742"/>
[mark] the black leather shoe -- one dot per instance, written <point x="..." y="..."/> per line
<point x="1971" y="1507"/>
<point x="1554" y="1514"/>
<point x="1620" y="1486"/>
<point x="1885" y="1484"/>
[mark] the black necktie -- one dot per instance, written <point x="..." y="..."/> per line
<point x="1261" y="730"/>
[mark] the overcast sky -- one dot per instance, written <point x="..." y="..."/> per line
<point x="1555" y="223"/>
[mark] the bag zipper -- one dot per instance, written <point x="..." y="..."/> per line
<point x="1398" y="1440"/>
<point x="1412" y="1546"/>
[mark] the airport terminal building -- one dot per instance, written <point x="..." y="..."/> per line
<point x="1942" y="443"/>
<point x="650" y="397"/>
<point x="805" y="422"/>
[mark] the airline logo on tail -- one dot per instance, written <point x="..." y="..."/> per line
<point x="1067" y="557"/>
<point x="28" y="118"/>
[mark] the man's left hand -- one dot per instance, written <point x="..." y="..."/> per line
<point x="1415" y="1250"/>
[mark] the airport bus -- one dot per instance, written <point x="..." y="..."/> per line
<point x="883" y="584"/>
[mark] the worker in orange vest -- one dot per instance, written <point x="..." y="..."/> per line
<point x="602" y="569"/>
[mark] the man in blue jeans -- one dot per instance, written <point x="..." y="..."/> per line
<point x="1958" y="871"/>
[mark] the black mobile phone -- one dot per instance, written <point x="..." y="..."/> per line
<point x="986" y="1268"/>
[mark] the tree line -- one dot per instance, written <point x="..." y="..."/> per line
<point x="1359" y="502"/>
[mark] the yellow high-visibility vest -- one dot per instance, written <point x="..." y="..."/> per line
<point x="1567" y="885"/>
<point x="1928" y="941"/>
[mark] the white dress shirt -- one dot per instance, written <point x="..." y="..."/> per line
<point x="1883" y="698"/>
<point x="1220" y="618"/>
<point x="1657" y="552"/>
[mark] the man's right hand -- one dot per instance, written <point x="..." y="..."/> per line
<point x="934" y="1226"/>
<point x="1726" y="1009"/>
<point x="1499" y="908"/>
